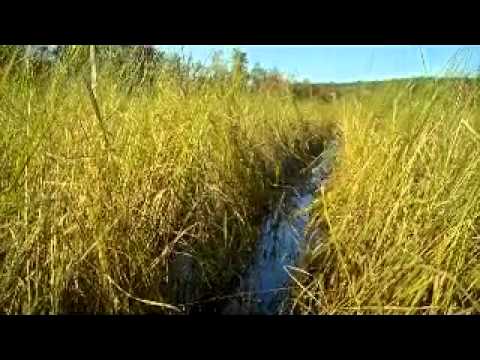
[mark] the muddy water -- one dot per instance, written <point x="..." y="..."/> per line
<point x="263" y="289"/>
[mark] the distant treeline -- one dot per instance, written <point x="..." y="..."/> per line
<point x="142" y="64"/>
<point x="146" y="63"/>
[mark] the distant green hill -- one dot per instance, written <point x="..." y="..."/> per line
<point x="326" y="91"/>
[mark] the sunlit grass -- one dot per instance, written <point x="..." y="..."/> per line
<point x="401" y="217"/>
<point x="99" y="193"/>
<point x="94" y="205"/>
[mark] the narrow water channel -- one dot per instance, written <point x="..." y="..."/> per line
<point x="263" y="289"/>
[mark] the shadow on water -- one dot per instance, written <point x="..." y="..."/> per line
<point x="263" y="289"/>
<point x="264" y="286"/>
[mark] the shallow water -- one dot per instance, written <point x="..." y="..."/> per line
<point x="264" y="286"/>
<point x="263" y="290"/>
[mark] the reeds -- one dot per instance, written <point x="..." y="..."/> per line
<point x="98" y="192"/>
<point x="401" y="217"/>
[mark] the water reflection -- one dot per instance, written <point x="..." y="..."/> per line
<point x="264" y="287"/>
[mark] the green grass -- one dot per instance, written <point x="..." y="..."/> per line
<point x="400" y="218"/>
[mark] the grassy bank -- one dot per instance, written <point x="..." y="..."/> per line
<point x="98" y="196"/>
<point x="401" y="215"/>
<point x="101" y="192"/>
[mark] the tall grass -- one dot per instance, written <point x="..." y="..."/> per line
<point x="99" y="193"/>
<point x="400" y="219"/>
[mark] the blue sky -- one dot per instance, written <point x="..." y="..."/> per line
<point x="344" y="63"/>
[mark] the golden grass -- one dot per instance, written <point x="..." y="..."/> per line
<point x="401" y="217"/>
<point x="97" y="195"/>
